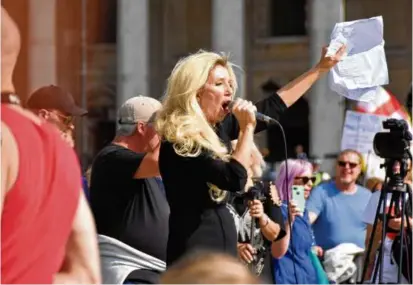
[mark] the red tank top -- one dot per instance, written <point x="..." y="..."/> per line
<point x="39" y="209"/>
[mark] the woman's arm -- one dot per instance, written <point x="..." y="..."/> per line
<point x="269" y="228"/>
<point x="270" y="225"/>
<point x="291" y="92"/>
<point x="280" y="247"/>
<point x="276" y="104"/>
<point x="231" y="176"/>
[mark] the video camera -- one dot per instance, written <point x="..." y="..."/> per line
<point x="260" y="190"/>
<point x="394" y="144"/>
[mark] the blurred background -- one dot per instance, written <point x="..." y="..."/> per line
<point x="105" y="51"/>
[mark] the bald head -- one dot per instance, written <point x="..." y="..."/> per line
<point x="10" y="47"/>
<point x="208" y="268"/>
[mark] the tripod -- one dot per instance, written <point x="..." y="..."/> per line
<point x="399" y="206"/>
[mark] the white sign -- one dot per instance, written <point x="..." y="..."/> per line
<point x="359" y="131"/>
<point x="358" y="134"/>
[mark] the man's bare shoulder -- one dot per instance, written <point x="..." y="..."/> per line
<point x="27" y="114"/>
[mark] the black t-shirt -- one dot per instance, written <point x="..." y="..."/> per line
<point x="134" y="211"/>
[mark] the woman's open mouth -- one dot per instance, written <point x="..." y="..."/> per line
<point x="226" y="106"/>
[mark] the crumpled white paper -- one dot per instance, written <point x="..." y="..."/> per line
<point x="364" y="67"/>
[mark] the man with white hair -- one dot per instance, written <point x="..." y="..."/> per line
<point x="126" y="197"/>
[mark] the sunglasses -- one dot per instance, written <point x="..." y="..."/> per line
<point x="306" y="179"/>
<point x="67" y="120"/>
<point x="350" y="164"/>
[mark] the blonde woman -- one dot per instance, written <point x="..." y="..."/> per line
<point x="194" y="160"/>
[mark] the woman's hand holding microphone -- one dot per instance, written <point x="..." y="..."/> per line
<point x="244" y="111"/>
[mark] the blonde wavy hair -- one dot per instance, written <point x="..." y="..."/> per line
<point x="181" y="120"/>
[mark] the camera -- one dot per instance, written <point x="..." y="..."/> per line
<point x="394" y="144"/>
<point x="260" y="190"/>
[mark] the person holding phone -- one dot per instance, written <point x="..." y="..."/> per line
<point x="300" y="182"/>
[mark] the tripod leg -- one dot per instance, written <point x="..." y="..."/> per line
<point x="383" y="197"/>
<point x="401" y="233"/>
<point x="408" y="213"/>
<point x="394" y="198"/>
<point x="377" y="265"/>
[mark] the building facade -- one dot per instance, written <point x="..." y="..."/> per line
<point x="121" y="48"/>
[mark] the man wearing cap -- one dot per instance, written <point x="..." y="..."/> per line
<point x="57" y="106"/>
<point x="129" y="206"/>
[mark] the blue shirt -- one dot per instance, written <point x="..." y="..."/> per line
<point x="302" y="241"/>
<point x="340" y="215"/>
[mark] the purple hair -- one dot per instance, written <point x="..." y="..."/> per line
<point x="296" y="167"/>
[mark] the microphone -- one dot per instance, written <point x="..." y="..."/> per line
<point x="258" y="116"/>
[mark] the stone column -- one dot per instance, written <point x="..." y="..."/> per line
<point x="42" y="44"/>
<point x="228" y="34"/>
<point x="326" y="107"/>
<point x="132" y="49"/>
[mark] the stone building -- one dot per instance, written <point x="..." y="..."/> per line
<point x="130" y="46"/>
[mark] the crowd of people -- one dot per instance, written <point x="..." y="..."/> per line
<point x="178" y="196"/>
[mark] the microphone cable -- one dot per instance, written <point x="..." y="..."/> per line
<point x="288" y="197"/>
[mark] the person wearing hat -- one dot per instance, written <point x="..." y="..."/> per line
<point x="127" y="198"/>
<point x="58" y="107"/>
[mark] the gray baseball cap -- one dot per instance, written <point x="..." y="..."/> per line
<point x="136" y="109"/>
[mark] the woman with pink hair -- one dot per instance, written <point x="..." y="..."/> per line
<point x="294" y="172"/>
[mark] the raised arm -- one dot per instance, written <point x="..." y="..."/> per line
<point x="232" y="175"/>
<point x="291" y="92"/>
<point x="276" y="104"/>
<point x="149" y="166"/>
<point x="315" y="203"/>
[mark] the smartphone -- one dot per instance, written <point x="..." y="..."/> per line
<point x="298" y="196"/>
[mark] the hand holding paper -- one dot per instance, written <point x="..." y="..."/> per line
<point x="328" y="62"/>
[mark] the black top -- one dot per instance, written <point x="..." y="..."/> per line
<point x="134" y="211"/>
<point x="196" y="221"/>
<point x="272" y="106"/>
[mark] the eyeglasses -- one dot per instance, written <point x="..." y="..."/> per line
<point x="306" y="179"/>
<point x="350" y="164"/>
<point x="67" y="120"/>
